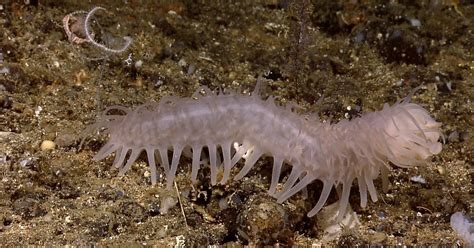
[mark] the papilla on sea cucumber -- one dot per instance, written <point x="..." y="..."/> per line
<point x="360" y="149"/>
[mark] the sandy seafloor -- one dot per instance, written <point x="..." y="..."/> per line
<point x="358" y="54"/>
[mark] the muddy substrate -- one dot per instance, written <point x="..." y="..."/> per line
<point x="357" y="55"/>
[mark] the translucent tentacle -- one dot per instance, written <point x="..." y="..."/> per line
<point x="196" y="161"/>
<point x="165" y="162"/>
<point x="249" y="163"/>
<point x="105" y="151"/>
<point x="177" y="149"/>
<point x="299" y="186"/>
<point x="150" y="152"/>
<point x="226" y="148"/>
<point x="213" y="161"/>
<point x="294" y="175"/>
<point x="120" y="157"/>
<point x="277" y="164"/>
<point x="322" y="198"/>
<point x="135" y="153"/>
<point x="370" y="187"/>
<point x="344" y="200"/>
<point x="362" y="191"/>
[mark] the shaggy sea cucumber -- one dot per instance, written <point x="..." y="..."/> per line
<point x="336" y="154"/>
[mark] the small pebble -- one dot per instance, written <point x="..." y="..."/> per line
<point x="449" y="85"/>
<point x="4" y="70"/>
<point x="48" y="217"/>
<point x="65" y="139"/>
<point x="359" y="38"/>
<point x="327" y="221"/>
<point x="415" y="23"/>
<point x="223" y="204"/>
<point x="191" y="69"/>
<point x="47" y="145"/>
<point x="158" y="83"/>
<point x="147" y="174"/>
<point x="441" y="170"/>
<point x="182" y="63"/>
<point x="38" y="111"/>
<point x="166" y="204"/>
<point x="138" y="64"/>
<point x="381" y="215"/>
<point x="6" y="102"/>
<point x="3" y="159"/>
<point x="453" y="137"/>
<point x="418" y="179"/>
<point x="264" y="221"/>
<point x="25" y="162"/>
<point x="68" y="219"/>
<point x="161" y="232"/>
<point x="378" y="237"/>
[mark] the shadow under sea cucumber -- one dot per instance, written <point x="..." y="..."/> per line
<point x="336" y="154"/>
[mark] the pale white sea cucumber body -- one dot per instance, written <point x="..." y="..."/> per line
<point x="335" y="154"/>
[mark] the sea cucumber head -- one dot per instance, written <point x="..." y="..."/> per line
<point x="411" y="134"/>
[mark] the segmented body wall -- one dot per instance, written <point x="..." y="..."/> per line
<point x="335" y="154"/>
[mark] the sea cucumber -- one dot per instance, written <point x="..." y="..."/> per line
<point x="336" y="154"/>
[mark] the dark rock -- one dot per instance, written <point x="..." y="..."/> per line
<point x="264" y="221"/>
<point x="133" y="211"/>
<point x="28" y="208"/>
